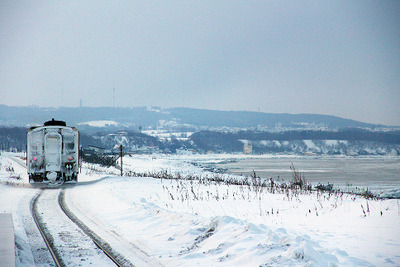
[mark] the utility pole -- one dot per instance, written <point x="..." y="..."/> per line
<point x="80" y="157"/>
<point x="62" y="94"/>
<point x="121" y="154"/>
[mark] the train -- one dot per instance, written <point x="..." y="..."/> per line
<point x="53" y="153"/>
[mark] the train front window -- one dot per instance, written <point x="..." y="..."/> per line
<point x="69" y="143"/>
<point x="70" y="146"/>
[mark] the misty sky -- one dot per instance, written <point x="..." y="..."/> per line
<point x="327" y="57"/>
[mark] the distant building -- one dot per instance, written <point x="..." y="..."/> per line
<point x="247" y="148"/>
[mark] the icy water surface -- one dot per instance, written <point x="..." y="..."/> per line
<point x="378" y="174"/>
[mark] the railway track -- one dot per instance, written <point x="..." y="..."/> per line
<point x="47" y="239"/>
<point x="69" y="241"/>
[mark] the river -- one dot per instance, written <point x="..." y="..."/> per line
<point x="377" y="174"/>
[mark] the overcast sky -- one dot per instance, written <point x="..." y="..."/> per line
<point x="327" y="57"/>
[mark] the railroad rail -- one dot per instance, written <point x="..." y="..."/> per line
<point x="46" y="237"/>
<point x="116" y="258"/>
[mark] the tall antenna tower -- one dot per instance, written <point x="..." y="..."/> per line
<point x="113" y="95"/>
<point x="62" y="94"/>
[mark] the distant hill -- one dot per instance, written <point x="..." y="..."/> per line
<point x="132" y="118"/>
<point x="254" y="119"/>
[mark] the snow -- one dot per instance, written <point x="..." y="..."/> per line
<point x="311" y="145"/>
<point x="100" y="123"/>
<point x="331" y="142"/>
<point x="272" y="143"/>
<point x="186" y="223"/>
<point x="167" y="135"/>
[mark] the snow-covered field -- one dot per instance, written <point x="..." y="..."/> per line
<point x="187" y="222"/>
<point x="102" y="123"/>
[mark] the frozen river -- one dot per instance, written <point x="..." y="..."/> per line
<point x="378" y="174"/>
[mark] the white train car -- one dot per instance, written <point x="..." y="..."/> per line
<point x="53" y="153"/>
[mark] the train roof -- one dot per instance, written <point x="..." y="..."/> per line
<point x="55" y="123"/>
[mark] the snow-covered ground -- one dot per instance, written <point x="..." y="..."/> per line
<point x="186" y="223"/>
<point x="101" y="123"/>
<point x="167" y="135"/>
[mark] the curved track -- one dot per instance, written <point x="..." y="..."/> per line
<point x="68" y="240"/>
<point x="53" y="252"/>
